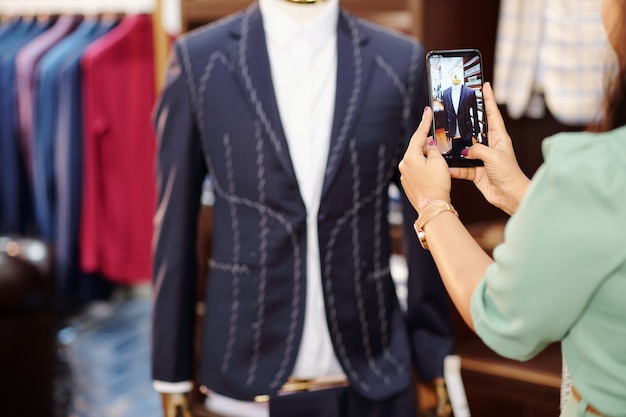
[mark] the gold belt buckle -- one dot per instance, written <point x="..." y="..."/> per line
<point x="294" y="385"/>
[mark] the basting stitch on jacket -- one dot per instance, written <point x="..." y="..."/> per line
<point x="380" y="272"/>
<point x="256" y="348"/>
<point x="356" y="264"/>
<point x="391" y="73"/>
<point x="254" y="98"/>
<point x="234" y="221"/>
<point x="235" y="269"/>
<point x="333" y="158"/>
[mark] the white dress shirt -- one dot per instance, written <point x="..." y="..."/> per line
<point x="303" y="59"/>
<point x="456" y="98"/>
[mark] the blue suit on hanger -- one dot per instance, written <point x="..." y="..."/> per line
<point x="218" y="115"/>
<point x="15" y="29"/>
<point x="67" y="152"/>
<point x="15" y="196"/>
<point x="8" y="27"/>
<point x="46" y="117"/>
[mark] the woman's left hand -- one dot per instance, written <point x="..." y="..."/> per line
<point x="424" y="173"/>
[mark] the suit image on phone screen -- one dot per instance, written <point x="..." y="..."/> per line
<point x="455" y="78"/>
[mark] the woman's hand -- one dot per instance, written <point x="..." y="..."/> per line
<point x="424" y="173"/>
<point x="501" y="180"/>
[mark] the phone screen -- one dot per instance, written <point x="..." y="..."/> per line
<point x="455" y="80"/>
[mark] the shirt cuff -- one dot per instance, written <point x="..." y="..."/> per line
<point x="172" y="387"/>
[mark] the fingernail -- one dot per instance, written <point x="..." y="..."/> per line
<point x="425" y="110"/>
<point x="432" y="142"/>
<point x="464" y="152"/>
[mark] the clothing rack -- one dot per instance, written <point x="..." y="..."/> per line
<point x="61" y="69"/>
<point x="30" y="7"/>
<point x="9" y="8"/>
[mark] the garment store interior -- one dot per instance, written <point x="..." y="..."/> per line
<point x="79" y="87"/>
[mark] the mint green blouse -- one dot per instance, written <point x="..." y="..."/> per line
<point x="560" y="273"/>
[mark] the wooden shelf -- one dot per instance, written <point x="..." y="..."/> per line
<point x="543" y="370"/>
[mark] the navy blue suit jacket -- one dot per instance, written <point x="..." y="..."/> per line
<point x="15" y="193"/>
<point x="468" y="126"/>
<point x="218" y="114"/>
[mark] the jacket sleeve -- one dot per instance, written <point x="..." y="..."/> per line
<point x="475" y="119"/>
<point x="180" y="173"/>
<point x="428" y="308"/>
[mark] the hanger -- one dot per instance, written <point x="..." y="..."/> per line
<point x="23" y="8"/>
<point x="121" y="8"/>
<point x="44" y="9"/>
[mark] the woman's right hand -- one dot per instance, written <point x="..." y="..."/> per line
<point x="501" y="180"/>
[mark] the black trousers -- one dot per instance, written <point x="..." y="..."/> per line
<point x="458" y="144"/>
<point x="342" y="402"/>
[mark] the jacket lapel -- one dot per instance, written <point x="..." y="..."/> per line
<point x="354" y="63"/>
<point x="250" y="56"/>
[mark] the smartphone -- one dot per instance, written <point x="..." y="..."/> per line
<point x="455" y="78"/>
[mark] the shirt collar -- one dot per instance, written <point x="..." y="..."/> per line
<point x="284" y="29"/>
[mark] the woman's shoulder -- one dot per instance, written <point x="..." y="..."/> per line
<point x="590" y="161"/>
<point x="587" y="152"/>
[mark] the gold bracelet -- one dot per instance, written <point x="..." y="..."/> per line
<point x="429" y="212"/>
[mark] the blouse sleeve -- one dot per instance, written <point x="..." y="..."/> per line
<point x="558" y="248"/>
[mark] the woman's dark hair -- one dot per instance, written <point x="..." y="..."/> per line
<point x="615" y="104"/>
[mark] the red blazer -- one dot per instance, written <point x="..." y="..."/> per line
<point x="119" y="153"/>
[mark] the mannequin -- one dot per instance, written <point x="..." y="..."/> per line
<point x="302" y="10"/>
<point x="323" y="163"/>
<point x="462" y="115"/>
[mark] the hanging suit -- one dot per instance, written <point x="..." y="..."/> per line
<point x="46" y="117"/>
<point x="218" y="115"/>
<point x="15" y="198"/>
<point x="67" y="154"/>
<point x="6" y="28"/>
<point x="25" y="66"/>
<point x="118" y="189"/>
